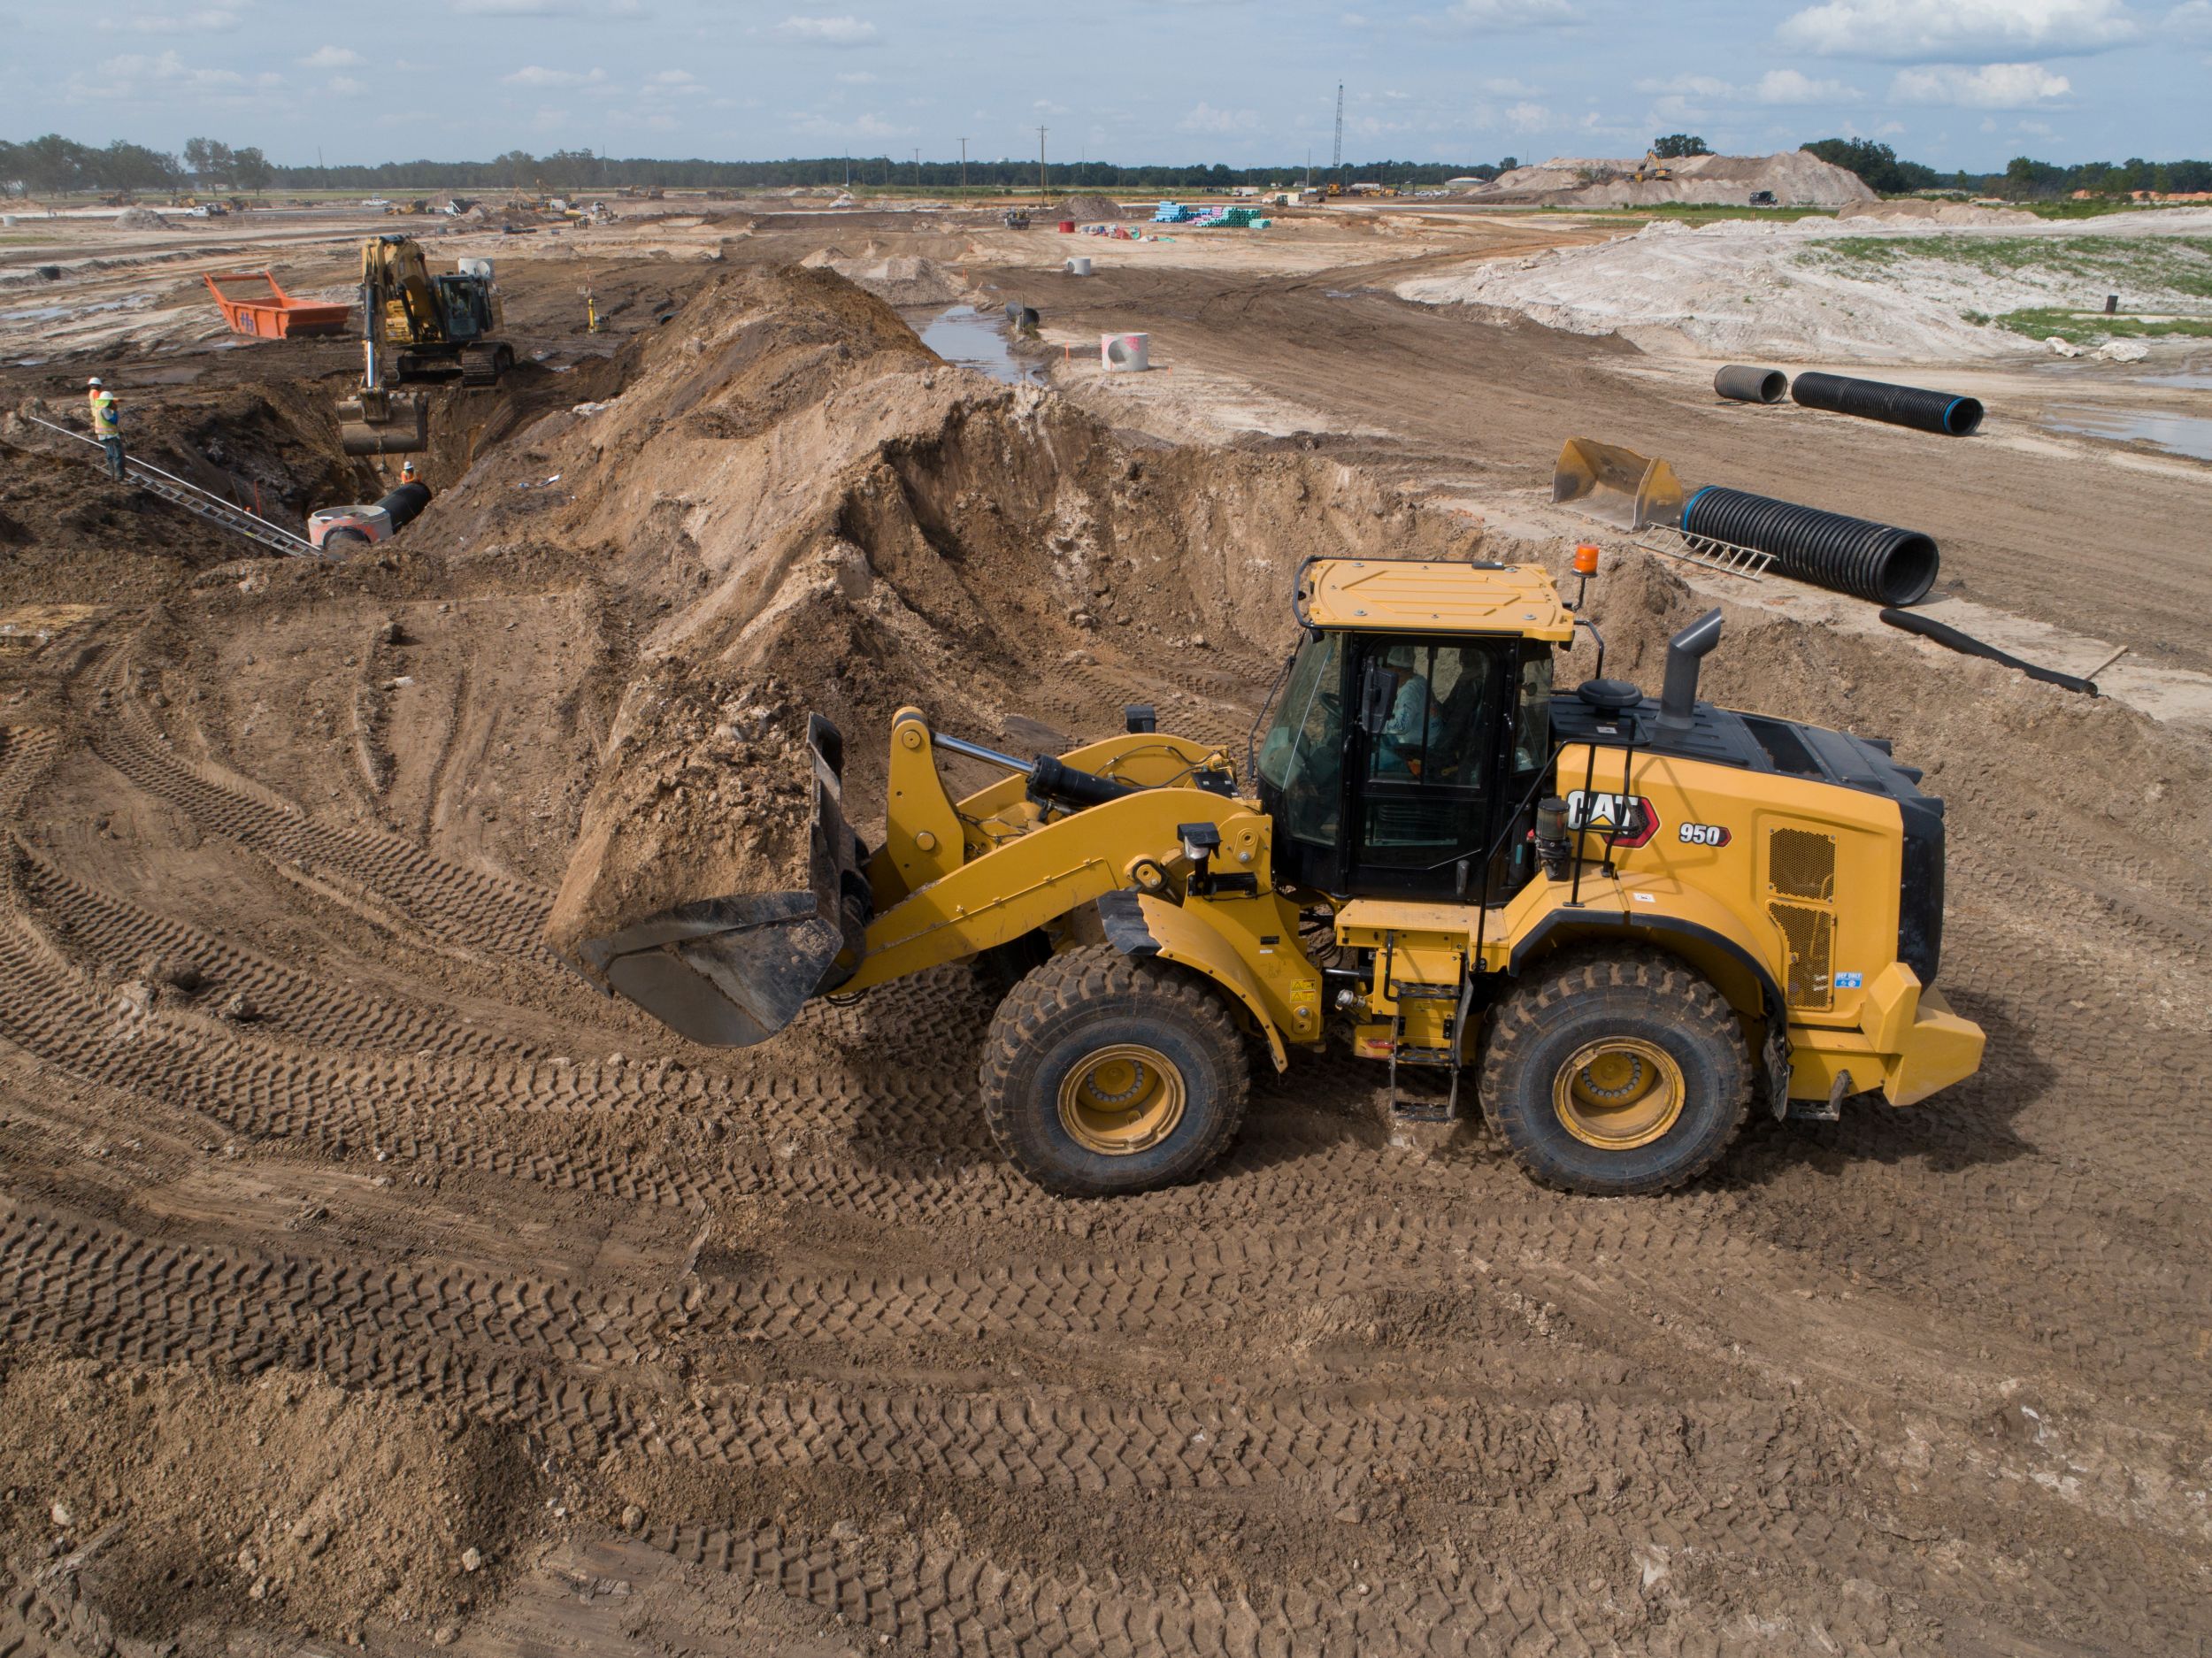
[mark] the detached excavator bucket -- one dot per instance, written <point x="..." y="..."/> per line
<point x="732" y="971"/>
<point x="388" y="423"/>
<point x="1616" y="486"/>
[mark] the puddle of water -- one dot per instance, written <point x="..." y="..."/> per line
<point x="2196" y="381"/>
<point x="2183" y="435"/>
<point x="966" y="336"/>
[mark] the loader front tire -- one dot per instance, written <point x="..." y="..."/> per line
<point x="1106" y="1074"/>
<point x="1616" y="1074"/>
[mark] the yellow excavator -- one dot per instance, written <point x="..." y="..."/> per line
<point x="417" y="326"/>
<point x="1629" y="917"/>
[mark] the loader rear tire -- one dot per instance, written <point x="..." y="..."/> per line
<point x="1616" y="1074"/>
<point x="1106" y="1074"/>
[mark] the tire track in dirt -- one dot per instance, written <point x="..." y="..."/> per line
<point x="122" y="939"/>
<point x="25" y="752"/>
<point x="108" y="1294"/>
<point x="461" y="906"/>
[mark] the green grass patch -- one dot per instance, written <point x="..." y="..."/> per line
<point x="2042" y="322"/>
<point x="2175" y="265"/>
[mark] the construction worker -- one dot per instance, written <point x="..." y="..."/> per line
<point x="107" y="424"/>
<point x="408" y="474"/>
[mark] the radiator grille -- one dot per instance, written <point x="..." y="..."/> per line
<point x="1810" y="936"/>
<point x="1801" y="864"/>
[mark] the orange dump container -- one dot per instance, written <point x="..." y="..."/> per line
<point x="266" y="311"/>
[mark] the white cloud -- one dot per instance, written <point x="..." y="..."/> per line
<point x="1502" y="14"/>
<point x="839" y="31"/>
<point x="674" y="78"/>
<point x="515" y="8"/>
<point x="1694" y="95"/>
<point x="1689" y="86"/>
<point x="1529" y="118"/>
<point x="538" y="75"/>
<point x="170" y="71"/>
<point x="332" y="58"/>
<point x="208" y="20"/>
<point x="1957" y="29"/>
<point x="1990" y="87"/>
<point x="1791" y="86"/>
<point x="858" y="78"/>
<point x="1206" y="119"/>
<point x="814" y="124"/>
<point x="345" y="86"/>
<point x="1506" y="86"/>
<point x="2192" y="21"/>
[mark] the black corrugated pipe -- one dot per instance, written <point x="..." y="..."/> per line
<point x="1744" y="384"/>
<point x="405" y="504"/>
<point x="1871" y="561"/>
<point x="1900" y="405"/>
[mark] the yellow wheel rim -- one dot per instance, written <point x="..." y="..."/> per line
<point x="1122" y="1100"/>
<point x="1618" y="1093"/>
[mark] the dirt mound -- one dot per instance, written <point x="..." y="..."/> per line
<point x="910" y="279"/>
<point x="140" y="219"/>
<point x="285" y="1501"/>
<point x="1089" y="208"/>
<point x="1795" y="178"/>
<point x="822" y="517"/>
<point x="1934" y="213"/>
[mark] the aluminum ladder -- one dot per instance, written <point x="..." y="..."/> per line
<point x="200" y="502"/>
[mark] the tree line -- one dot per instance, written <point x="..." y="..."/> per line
<point x="2024" y="179"/>
<point x="54" y="164"/>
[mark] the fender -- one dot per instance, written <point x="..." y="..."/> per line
<point x="1139" y="925"/>
<point x="1611" y="923"/>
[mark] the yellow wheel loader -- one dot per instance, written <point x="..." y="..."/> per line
<point x="1631" y="917"/>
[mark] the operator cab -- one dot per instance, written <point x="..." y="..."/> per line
<point x="1416" y="717"/>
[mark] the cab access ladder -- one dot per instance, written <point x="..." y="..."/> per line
<point x="201" y="502"/>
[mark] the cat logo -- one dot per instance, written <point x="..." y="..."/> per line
<point x="1630" y="819"/>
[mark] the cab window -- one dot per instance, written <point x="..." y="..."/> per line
<point x="1303" y="754"/>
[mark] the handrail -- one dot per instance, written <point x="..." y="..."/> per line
<point x="212" y="499"/>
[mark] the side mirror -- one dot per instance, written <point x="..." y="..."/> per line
<point x="1378" y="696"/>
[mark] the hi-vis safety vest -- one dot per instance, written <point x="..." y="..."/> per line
<point x="107" y="418"/>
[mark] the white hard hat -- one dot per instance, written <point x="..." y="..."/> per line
<point x="95" y="380"/>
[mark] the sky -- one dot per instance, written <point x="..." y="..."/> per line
<point x="1953" y="83"/>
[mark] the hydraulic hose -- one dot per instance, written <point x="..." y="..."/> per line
<point x="1900" y="405"/>
<point x="1744" y="384"/>
<point x="1871" y="561"/>
<point x="1966" y="644"/>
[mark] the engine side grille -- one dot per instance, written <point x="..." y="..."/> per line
<point x="1801" y="864"/>
<point x="1810" y="935"/>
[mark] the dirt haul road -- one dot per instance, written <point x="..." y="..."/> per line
<point x="365" y="1278"/>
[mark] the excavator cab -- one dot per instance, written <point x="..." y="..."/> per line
<point x="417" y="326"/>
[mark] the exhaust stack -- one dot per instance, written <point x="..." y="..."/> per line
<point x="1685" y="652"/>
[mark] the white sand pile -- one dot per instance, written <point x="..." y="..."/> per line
<point x="1819" y="290"/>
<point x="1934" y="213"/>
<point x="140" y="219"/>
<point x="907" y="281"/>
<point x="1795" y="178"/>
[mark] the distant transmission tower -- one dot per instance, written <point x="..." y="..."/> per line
<point x="1336" y="165"/>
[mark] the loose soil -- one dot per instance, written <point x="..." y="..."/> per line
<point x="330" y="1197"/>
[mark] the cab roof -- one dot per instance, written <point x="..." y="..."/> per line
<point x="1438" y="596"/>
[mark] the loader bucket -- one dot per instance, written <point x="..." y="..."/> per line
<point x="731" y="972"/>
<point x="396" y="423"/>
<point x="1616" y="486"/>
